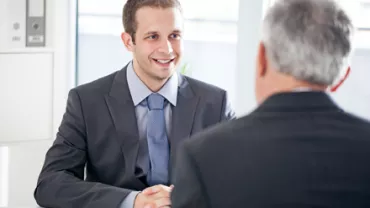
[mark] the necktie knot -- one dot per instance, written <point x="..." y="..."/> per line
<point x="155" y="102"/>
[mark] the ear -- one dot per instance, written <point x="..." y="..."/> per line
<point x="127" y="40"/>
<point x="340" y="82"/>
<point x="261" y="60"/>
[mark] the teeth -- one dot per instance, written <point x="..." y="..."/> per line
<point x="164" y="61"/>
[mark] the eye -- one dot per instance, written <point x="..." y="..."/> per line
<point x="175" y="36"/>
<point x="152" y="37"/>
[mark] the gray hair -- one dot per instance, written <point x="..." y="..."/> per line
<point x="308" y="39"/>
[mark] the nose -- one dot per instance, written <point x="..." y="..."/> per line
<point x="166" y="47"/>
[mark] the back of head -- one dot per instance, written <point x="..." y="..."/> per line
<point x="307" y="39"/>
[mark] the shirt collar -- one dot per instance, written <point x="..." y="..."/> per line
<point x="139" y="91"/>
<point x="302" y="89"/>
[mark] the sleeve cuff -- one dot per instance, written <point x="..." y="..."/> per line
<point x="129" y="201"/>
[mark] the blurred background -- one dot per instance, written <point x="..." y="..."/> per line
<point x="81" y="42"/>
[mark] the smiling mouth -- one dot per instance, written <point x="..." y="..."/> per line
<point x="164" y="61"/>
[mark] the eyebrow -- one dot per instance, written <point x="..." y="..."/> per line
<point x="177" y="31"/>
<point x="151" y="33"/>
<point x="154" y="32"/>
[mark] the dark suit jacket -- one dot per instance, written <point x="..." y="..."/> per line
<point x="295" y="150"/>
<point x="99" y="129"/>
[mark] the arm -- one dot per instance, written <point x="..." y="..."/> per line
<point x="61" y="181"/>
<point x="227" y="113"/>
<point x="189" y="190"/>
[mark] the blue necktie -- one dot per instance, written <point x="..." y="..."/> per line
<point x="157" y="141"/>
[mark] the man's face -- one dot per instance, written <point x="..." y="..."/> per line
<point x="158" y="41"/>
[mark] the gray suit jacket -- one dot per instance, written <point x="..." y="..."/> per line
<point x="99" y="130"/>
<point x="296" y="150"/>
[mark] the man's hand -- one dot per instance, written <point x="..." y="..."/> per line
<point x="154" y="197"/>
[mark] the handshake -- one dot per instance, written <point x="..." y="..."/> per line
<point x="154" y="197"/>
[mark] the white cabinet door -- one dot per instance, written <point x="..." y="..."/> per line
<point x="26" y="90"/>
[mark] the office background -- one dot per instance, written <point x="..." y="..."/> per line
<point x="220" y="47"/>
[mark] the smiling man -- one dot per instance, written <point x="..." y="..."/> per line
<point x="125" y="127"/>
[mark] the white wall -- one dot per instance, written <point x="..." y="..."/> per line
<point x="33" y="102"/>
<point x="354" y="95"/>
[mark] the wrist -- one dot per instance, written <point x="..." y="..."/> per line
<point x="137" y="200"/>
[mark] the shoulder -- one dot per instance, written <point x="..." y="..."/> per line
<point x="203" y="88"/>
<point x="206" y="91"/>
<point x="101" y="85"/>
<point x="216" y="139"/>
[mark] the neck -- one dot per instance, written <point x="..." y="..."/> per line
<point x="281" y="83"/>
<point x="152" y="83"/>
<point x="303" y="85"/>
<point x="286" y="83"/>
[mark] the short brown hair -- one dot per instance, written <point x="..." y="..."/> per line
<point x="131" y="7"/>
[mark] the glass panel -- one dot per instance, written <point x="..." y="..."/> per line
<point x="363" y="21"/>
<point x="98" y="7"/>
<point x="193" y="9"/>
<point x="215" y="9"/>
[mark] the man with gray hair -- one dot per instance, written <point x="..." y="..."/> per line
<point x="298" y="148"/>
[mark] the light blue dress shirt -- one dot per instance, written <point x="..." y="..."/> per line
<point x="139" y="92"/>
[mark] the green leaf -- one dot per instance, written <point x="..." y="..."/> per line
<point x="185" y="69"/>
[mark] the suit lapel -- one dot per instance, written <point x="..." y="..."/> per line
<point x="183" y="114"/>
<point x="122" y="111"/>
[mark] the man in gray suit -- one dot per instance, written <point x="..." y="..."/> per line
<point x="298" y="148"/>
<point x="125" y="127"/>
